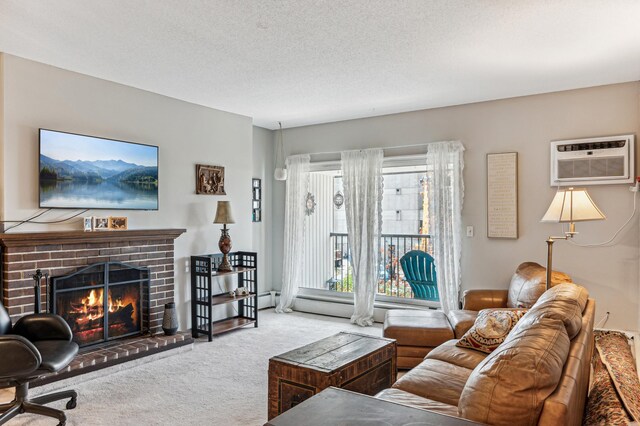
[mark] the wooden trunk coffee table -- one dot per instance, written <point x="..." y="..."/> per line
<point x="357" y="362"/>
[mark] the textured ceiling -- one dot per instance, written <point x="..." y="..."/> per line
<point x="306" y="62"/>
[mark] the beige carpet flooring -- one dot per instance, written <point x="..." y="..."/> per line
<point x="219" y="383"/>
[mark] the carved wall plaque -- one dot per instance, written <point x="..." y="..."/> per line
<point x="210" y="180"/>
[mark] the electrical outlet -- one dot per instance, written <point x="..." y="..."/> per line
<point x="186" y="266"/>
<point x="469" y="231"/>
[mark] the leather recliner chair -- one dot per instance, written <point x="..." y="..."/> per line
<point x="36" y="345"/>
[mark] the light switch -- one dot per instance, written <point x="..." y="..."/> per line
<point x="469" y="231"/>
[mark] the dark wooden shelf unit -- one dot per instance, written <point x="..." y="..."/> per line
<point x="229" y="324"/>
<point x="222" y="299"/>
<point x="207" y="292"/>
<point x="236" y="270"/>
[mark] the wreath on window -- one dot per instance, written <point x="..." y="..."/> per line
<point x="338" y="200"/>
<point x="309" y="204"/>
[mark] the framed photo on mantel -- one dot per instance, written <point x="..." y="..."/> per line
<point x="502" y="195"/>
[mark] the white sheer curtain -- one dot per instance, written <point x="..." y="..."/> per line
<point x="446" y="194"/>
<point x="362" y="179"/>
<point x="294" y="218"/>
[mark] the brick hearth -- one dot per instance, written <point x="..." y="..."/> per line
<point x="109" y="354"/>
<point x="59" y="253"/>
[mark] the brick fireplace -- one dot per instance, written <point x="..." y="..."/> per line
<point x="62" y="253"/>
<point x="102" y="302"/>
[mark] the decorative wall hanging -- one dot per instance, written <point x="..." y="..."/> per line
<point x="338" y="200"/>
<point x="309" y="204"/>
<point x="210" y="180"/>
<point x="502" y="195"/>
<point x="256" y="207"/>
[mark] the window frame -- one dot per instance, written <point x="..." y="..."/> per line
<point x="416" y="160"/>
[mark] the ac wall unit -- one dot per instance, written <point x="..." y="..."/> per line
<point x="593" y="161"/>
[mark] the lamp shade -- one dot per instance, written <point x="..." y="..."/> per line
<point x="223" y="213"/>
<point x="280" y="174"/>
<point x="572" y="205"/>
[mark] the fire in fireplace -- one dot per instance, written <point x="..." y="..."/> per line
<point x="102" y="302"/>
<point x="87" y="316"/>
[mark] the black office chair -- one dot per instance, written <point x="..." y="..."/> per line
<point x="38" y="344"/>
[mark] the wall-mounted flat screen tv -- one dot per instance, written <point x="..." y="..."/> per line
<point x="86" y="172"/>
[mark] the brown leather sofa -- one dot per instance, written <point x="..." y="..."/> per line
<point x="527" y="285"/>
<point x="417" y="332"/>
<point x="538" y="376"/>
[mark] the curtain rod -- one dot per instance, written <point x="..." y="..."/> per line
<point x="404" y="160"/>
<point x="381" y="147"/>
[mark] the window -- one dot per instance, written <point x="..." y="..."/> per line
<point x="405" y="227"/>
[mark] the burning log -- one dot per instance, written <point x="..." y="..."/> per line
<point x="83" y="322"/>
<point x="123" y="315"/>
<point x="87" y="313"/>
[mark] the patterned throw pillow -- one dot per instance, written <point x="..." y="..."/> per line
<point x="490" y="329"/>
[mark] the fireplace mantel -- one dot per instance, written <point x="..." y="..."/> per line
<point x="21" y="239"/>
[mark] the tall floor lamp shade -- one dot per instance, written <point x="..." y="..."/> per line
<point x="569" y="206"/>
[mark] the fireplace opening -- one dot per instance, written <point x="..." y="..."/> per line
<point x="102" y="302"/>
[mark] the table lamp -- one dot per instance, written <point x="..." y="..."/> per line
<point x="224" y="216"/>
<point x="569" y="206"/>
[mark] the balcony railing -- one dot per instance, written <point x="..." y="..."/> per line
<point x="392" y="247"/>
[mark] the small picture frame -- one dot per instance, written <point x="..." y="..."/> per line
<point x="100" y="223"/>
<point x="256" y="201"/>
<point x="117" y="223"/>
<point x="87" y="223"/>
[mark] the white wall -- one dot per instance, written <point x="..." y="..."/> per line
<point x="38" y="95"/>
<point x="277" y="225"/>
<point x="263" y="231"/>
<point x="525" y="125"/>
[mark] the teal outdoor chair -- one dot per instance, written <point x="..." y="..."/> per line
<point x="420" y="272"/>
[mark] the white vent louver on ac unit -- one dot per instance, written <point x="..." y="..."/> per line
<point x="593" y="161"/>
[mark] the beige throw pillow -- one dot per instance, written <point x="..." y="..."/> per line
<point x="490" y="329"/>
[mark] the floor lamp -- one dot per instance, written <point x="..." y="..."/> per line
<point x="569" y="206"/>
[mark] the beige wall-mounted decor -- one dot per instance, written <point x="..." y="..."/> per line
<point x="210" y="180"/>
<point x="502" y="195"/>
